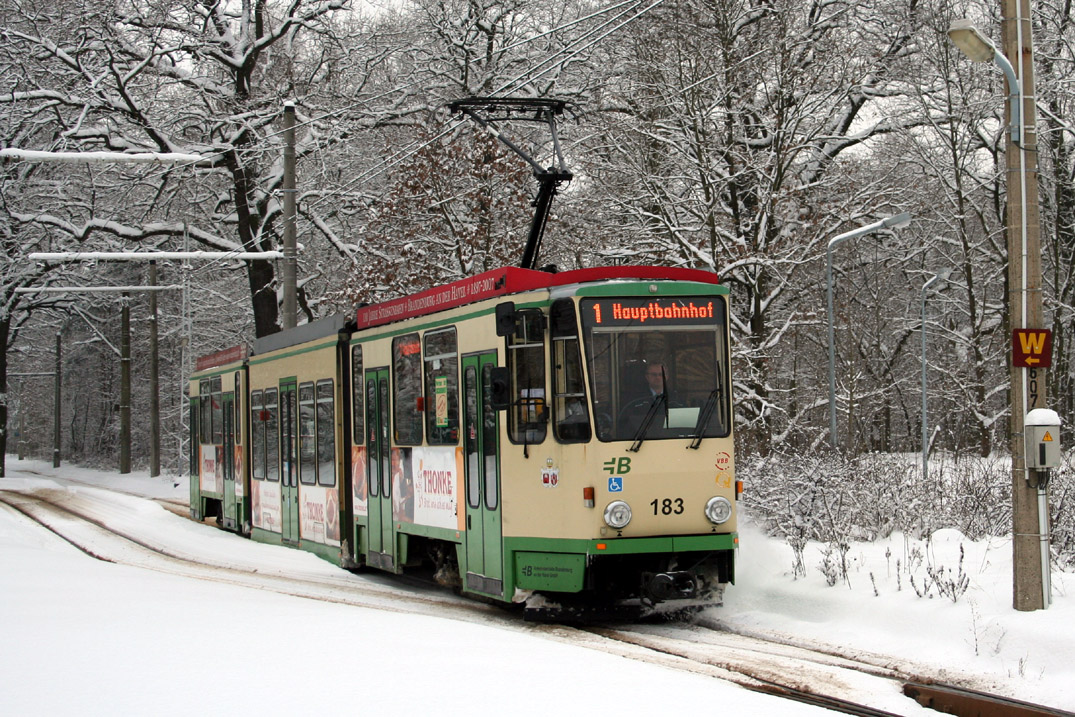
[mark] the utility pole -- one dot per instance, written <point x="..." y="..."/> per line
<point x="125" y="351"/>
<point x="125" y="385"/>
<point x="1030" y="575"/>
<point x="154" y="379"/>
<point x="289" y="278"/>
<point x="56" y="404"/>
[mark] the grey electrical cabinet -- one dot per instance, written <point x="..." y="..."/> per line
<point x="1042" y="431"/>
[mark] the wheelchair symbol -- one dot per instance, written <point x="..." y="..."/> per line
<point x="615" y="484"/>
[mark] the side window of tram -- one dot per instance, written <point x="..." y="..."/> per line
<point x="195" y="430"/>
<point x="326" y="433"/>
<point x="237" y="424"/>
<point x="307" y="434"/>
<point x="257" y="435"/>
<point x="407" y="386"/>
<point x="205" y="408"/>
<point x="470" y="439"/>
<point x="571" y="415"/>
<point x="272" y="435"/>
<point x="489" y="431"/>
<point x="357" y="392"/>
<point x="442" y="387"/>
<point x="526" y="362"/>
<point x="218" y="412"/>
<point x="372" y="461"/>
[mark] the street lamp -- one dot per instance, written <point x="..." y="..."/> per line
<point x="936" y="278"/>
<point x="895" y="222"/>
<point x="979" y="48"/>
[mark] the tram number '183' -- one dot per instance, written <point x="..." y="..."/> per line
<point x="667" y="506"/>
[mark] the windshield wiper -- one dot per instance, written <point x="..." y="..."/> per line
<point x="658" y="400"/>
<point x="703" y="418"/>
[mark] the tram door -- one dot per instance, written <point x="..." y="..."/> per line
<point x="289" y="469"/>
<point x="229" y="461"/>
<point x="379" y="469"/>
<point x="485" y="569"/>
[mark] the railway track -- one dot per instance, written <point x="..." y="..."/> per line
<point x="839" y="683"/>
<point x="872" y="686"/>
<point x="78" y="520"/>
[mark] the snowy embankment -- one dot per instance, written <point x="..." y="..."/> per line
<point x="81" y="635"/>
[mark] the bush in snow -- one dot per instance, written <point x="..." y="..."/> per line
<point x="833" y="500"/>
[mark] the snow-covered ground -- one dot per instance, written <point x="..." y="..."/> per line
<point x="82" y="636"/>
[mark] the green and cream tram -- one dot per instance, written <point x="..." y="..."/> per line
<point x="560" y="439"/>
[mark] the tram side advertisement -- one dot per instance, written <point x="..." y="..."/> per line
<point x="359" y="489"/>
<point x="211" y="468"/>
<point x="319" y="518"/>
<point x="426" y="485"/>
<point x="437" y="486"/>
<point x="266" y="505"/>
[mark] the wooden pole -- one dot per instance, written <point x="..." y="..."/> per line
<point x="125" y="386"/>
<point x="154" y="379"/>
<point x="57" y="403"/>
<point x="1030" y="543"/>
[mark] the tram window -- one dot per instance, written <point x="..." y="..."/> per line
<point x="272" y="435"/>
<point x="218" y="412"/>
<point x="571" y="415"/>
<point x="386" y="477"/>
<point x="194" y="430"/>
<point x="526" y="363"/>
<point x="258" y="417"/>
<point x="237" y="424"/>
<point x="489" y="431"/>
<point x="470" y="439"/>
<point x="642" y="349"/>
<point x="326" y="433"/>
<point x="373" y="462"/>
<point x="307" y="434"/>
<point x="357" y="412"/>
<point x="205" y="407"/>
<point x="407" y="385"/>
<point x="442" y="387"/>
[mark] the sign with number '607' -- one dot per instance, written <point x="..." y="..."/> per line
<point x="1032" y="348"/>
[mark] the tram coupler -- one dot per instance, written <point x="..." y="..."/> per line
<point x="676" y="585"/>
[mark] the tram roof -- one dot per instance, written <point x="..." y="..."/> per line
<point x="319" y="329"/>
<point x="513" y="280"/>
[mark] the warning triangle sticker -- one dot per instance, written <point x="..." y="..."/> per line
<point x="1048" y="437"/>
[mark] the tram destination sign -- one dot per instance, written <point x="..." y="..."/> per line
<point x="634" y="311"/>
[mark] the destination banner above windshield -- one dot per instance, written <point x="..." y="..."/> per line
<point x="645" y="311"/>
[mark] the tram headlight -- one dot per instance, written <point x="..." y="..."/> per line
<point x="618" y="514"/>
<point x="718" y="510"/>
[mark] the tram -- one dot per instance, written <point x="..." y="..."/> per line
<point x="562" y="440"/>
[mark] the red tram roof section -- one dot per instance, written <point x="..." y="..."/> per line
<point x="220" y="358"/>
<point x="512" y="280"/>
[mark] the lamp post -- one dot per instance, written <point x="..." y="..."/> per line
<point x="979" y="48"/>
<point x="936" y="278"/>
<point x="893" y="222"/>
<point x="1030" y="528"/>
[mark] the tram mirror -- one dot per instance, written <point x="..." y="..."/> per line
<point x="505" y="319"/>
<point x="500" y="388"/>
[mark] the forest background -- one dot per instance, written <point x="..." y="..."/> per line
<point x="737" y="136"/>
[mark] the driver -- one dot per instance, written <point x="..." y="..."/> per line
<point x="655" y="378"/>
<point x="633" y="413"/>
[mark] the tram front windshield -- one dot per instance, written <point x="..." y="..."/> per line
<point x="658" y="367"/>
